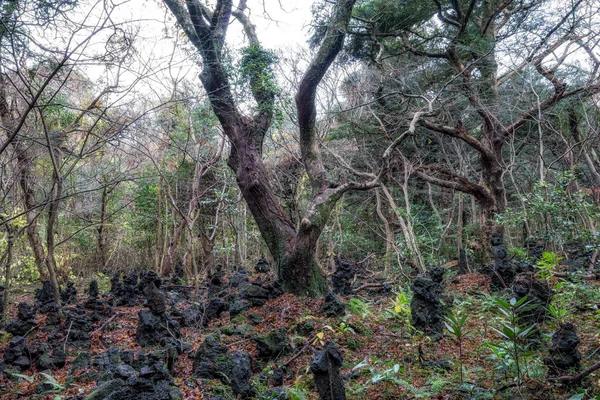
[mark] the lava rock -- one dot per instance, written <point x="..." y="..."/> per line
<point x="212" y="360"/>
<point x="52" y="359"/>
<point x="105" y="389"/>
<point x="125" y="371"/>
<point x="501" y="271"/>
<point x="215" y="307"/>
<point x="155" y="299"/>
<point x="239" y="279"/>
<point x="178" y="277"/>
<point x="538" y="295"/>
<point x="44" y="295"/>
<point x="262" y="266"/>
<point x="95" y="302"/>
<point x="426" y="306"/>
<point x="241" y="373"/>
<point x="215" y="281"/>
<point x="325" y="366"/>
<point x="18" y="354"/>
<point x="116" y="285"/>
<point x="129" y="296"/>
<point x="146" y="278"/>
<point x="108" y="362"/>
<point x="578" y="255"/>
<point x="191" y="316"/>
<point x="25" y="312"/>
<point x="535" y="248"/>
<point x="25" y="320"/>
<point x="152" y="328"/>
<point x="275" y="289"/>
<point x="69" y="294"/>
<point x="272" y="345"/>
<point x="333" y="307"/>
<point x="81" y="362"/>
<point x="342" y="278"/>
<point x="53" y="316"/>
<point x="80" y="324"/>
<point x="93" y="291"/>
<point x="564" y="355"/>
<point x="256" y="295"/>
<point x="238" y="306"/>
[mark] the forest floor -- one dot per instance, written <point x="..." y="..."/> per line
<point x="383" y="359"/>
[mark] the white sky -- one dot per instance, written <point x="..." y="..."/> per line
<point x="287" y="26"/>
<point x="279" y="25"/>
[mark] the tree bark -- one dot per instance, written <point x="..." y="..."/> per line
<point x="7" y="267"/>
<point x="389" y="236"/>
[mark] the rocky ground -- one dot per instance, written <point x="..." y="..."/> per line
<point x="150" y="338"/>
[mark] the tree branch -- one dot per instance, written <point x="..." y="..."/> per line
<point x="460" y="133"/>
<point x="444" y="178"/>
<point x="305" y="98"/>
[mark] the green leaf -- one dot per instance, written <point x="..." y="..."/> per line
<point x="362" y="364"/>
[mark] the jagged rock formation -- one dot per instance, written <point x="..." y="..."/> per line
<point x="426" y="307"/>
<point x="25" y="320"/>
<point x="116" y="285"/>
<point x="564" y="355"/>
<point x="44" y="295"/>
<point x="239" y="279"/>
<point x="18" y="354"/>
<point x="333" y="307"/>
<point x="341" y="280"/>
<point x="69" y="294"/>
<point x="154" y="324"/>
<point x="213" y="361"/>
<point x="94" y="302"/>
<point x="262" y="266"/>
<point x="79" y="324"/>
<point x="155" y="299"/>
<point x="325" y="366"/>
<point x="272" y="345"/>
<point x="501" y="270"/>
<point x="126" y="377"/>
<point x="538" y="295"/>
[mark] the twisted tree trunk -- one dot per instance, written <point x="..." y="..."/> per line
<point x="292" y="250"/>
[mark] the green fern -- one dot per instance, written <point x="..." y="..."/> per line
<point x="358" y="307"/>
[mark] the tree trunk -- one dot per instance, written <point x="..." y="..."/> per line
<point x="493" y="172"/>
<point x="292" y="251"/>
<point x="33" y="235"/>
<point x="410" y="239"/>
<point x="7" y="266"/>
<point x="389" y="236"/>
<point x="101" y="237"/>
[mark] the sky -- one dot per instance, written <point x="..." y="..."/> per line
<point x="279" y="25"/>
<point x="159" y="43"/>
<point x="283" y="24"/>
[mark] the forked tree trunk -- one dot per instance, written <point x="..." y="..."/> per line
<point x="292" y="250"/>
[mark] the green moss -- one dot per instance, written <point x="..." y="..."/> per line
<point x="227" y="330"/>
